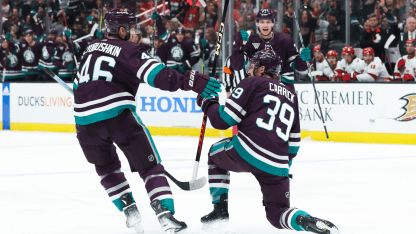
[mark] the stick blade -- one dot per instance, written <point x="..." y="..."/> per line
<point x="197" y="184"/>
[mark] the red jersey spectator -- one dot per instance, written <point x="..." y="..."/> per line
<point x="192" y="16"/>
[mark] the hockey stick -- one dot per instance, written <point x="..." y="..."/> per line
<point x="153" y="52"/>
<point x="386" y="48"/>
<point x="204" y="120"/>
<point x="187" y="186"/>
<point x="5" y="63"/>
<point x="93" y="29"/>
<point x="310" y="76"/>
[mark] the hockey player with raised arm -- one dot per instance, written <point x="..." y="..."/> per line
<point x="322" y="65"/>
<point x="372" y="69"/>
<point x="405" y="69"/>
<point x="110" y="73"/>
<point x="266" y="113"/>
<point x="349" y="64"/>
<point x="281" y="43"/>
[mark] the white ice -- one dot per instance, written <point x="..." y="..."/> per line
<point x="47" y="186"/>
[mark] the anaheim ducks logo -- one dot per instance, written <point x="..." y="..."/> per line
<point x="410" y="108"/>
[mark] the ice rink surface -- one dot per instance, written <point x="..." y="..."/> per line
<point x="47" y="186"/>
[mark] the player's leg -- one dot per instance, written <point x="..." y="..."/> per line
<point x="134" y="139"/>
<point x="99" y="150"/>
<point x="276" y="199"/>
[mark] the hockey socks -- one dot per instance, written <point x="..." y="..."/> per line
<point x="219" y="182"/>
<point x="288" y="219"/>
<point x="116" y="185"/>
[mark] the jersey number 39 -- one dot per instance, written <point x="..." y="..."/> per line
<point x="97" y="72"/>
<point x="282" y="116"/>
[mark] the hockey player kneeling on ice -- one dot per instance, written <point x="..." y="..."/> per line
<point x="372" y="69"/>
<point x="105" y="113"/>
<point x="266" y="113"/>
<point x="322" y="65"/>
<point x="349" y="64"/>
<point x="405" y="69"/>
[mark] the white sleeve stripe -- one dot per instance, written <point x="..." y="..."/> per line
<point x="232" y="114"/>
<point x="149" y="70"/>
<point x="143" y="67"/>
<point x="236" y="106"/>
<point x="291" y="143"/>
<point x="189" y="64"/>
<point x="294" y="135"/>
<point x="292" y="58"/>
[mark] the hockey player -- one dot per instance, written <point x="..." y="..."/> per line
<point x="372" y="69"/>
<point x="266" y="113"/>
<point x="14" y="58"/>
<point x="32" y="51"/>
<point x="231" y="77"/>
<point x="45" y="61"/>
<point x="332" y="57"/>
<point x="182" y="53"/>
<point x="161" y="56"/>
<point x="405" y="69"/>
<point x="322" y="65"/>
<point x="63" y="57"/>
<point x="349" y="64"/>
<point x="105" y="113"/>
<point x="281" y="43"/>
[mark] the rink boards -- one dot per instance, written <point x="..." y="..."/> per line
<point x="368" y="113"/>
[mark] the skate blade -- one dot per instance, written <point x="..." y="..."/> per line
<point x="138" y="228"/>
<point x="331" y="230"/>
<point x="172" y="231"/>
<point x="217" y="227"/>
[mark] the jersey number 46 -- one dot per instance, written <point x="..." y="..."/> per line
<point x="97" y="72"/>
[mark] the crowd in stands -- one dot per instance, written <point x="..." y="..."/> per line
<point x="55" y="33"/>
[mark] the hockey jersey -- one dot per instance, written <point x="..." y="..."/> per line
<point x="356" y="66"/>
<point x="14" y="61"/>
<point x="161" y="56"/>
<point x="266" y="113"/>
<point x="374" y="71"/>
<point x="232" y="77"/>
<point x="45" y="60"/>
<point x="31" y="56"/>
<point x="410" y="68"/>
<point x="281" y="43"/>
<point x="325" y="68"/>
<point x="62" y="58"/>
<point x="109" y="76"/>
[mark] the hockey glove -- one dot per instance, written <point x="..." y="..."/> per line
<point x="204" y="43"/>
<point x="244" y="35"/>
<point x="68" y="33"/>
<point x="8" y="36"/>
<point x="205" y="103"/>
<point x="401" y="65"/>
<point x="70" y="66"/>
<point x="155" y="16"/>
<point x="99" y="33"/>
<point x="408" y="77"/>
<point x="305" y="54"/>
<point x="201" y="84"/>
<point x="349" y="77"/>
<point x="182" y="69"/>
<point x="322" y="78"/>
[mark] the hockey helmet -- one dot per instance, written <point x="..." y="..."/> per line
<point x="265" y="14"/>
<point x="53" y="32"/>
<point x="411" y="41"/>
<point x="116" y="18"/>
<point x="316" y="48"/>
<point x="268" y="58"/>
<point x="347" y="50"/>
<point x="332" y="53"/>
<point x="2" y="38"/>
<point x="30" y="32"/>
<point x="368" y="50"/>
<point x="180" y="30"/>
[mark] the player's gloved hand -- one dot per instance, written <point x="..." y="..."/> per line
<point x="305" y="54"/>
<point x="401" y="65"/>
<point x="182" y="69"/>
<point x="244" y="35"/>
<point x="349" y="77"/>
<point x="68" y="33"/>
<point x="408" y="77"/>
<point x="8" y="36"/>
<point x="202" y="84"/>
<point x="90" y="18"/>
<point x="204" y="103"/>
<point x="204" y="43"/>
<point x="99" y="33"/>
<point x="70" y="66"/>
<point x="155" y="16"/>
<point x="322" y="78"/>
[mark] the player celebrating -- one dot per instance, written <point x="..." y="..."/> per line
<point x="372" y="70"/>
<point x="266" y="112"/>
<point x="281" y="43"/>
<point x="322" y="65"/>
<point x="406" y="66"/>
<point x="105" y="113"/>
<point x="349" y="64"/>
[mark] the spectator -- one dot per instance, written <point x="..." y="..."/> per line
<point x="374" y="37"/>
<point x="336" y="32"/>
<point x="307" y="27"/>
<point x="389" y="7"/>
<point x="59" y="25"/>
<point x="192" y="16"/>
<point x="368" y="8"/>
<point x="391" y="28"/>
<point x="78" y="29"/>
<point x="334" y="5"/>
<point x="321" y="30"/>
<point x="409" y="35"/>
<point x="15" y="22"/>
<point x="6" y="9"/>
<point x="307" y="5"/>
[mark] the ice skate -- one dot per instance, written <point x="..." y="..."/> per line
<point x="317" y="225"/>
<point x="132" y="214"/>
<point x="169" y="224"/>
<point x="217" y="220"/>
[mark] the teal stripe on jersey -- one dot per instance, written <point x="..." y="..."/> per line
<point x="50" y="67"/>
<point x="75" y="86"/>
<point x="293" y="149"/>
<point x="26" y="72"/>
<point x="216" y="194"/>
<point x="153" y="73"/>
<point x="108" y="114"/>
<point x="293" y="221"/>
<point x="159" y="160"/>
<point x="163" y="37"/>
<point x="277" y="171"/>
<point x="168" y="204"/>
<point x="287" y="81"/>
<point x="119" y="204"/>
<point x="14" y="76"/>
<point x="226" y="117"/>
